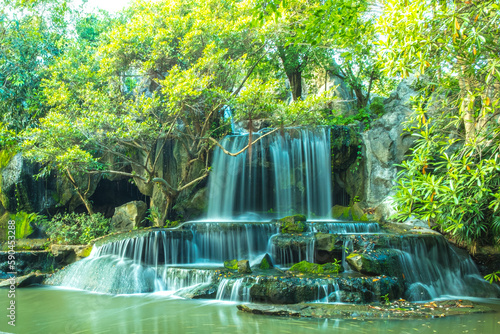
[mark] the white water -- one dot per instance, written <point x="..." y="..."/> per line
<point x="433" y="268"/>
<point x="172" y="260"/>
<point x="284" y="174"/>
<point x="234" y="289"/>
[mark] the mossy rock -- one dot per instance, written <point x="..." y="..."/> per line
<point x="84" y="252"/>
<point x="314" y="268"/>
<point x="379" y="262"/>
<point x="325" y="241"/>
<point x="293" y="218"/>
<point x="23" y="224"/>
<point x="357" y="213"/>
<point x="293" y="224"/>
<point x="244" y="267"/>
<point x="307" y="268"/>
<point x="266" y="263"/>
<point x="331" y="268"/>
<point x="341" y="212"/>
<point x="231" y="264"/>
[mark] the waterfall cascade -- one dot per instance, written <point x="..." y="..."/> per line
<point x="283" y="173"/>
<point x="192" y="256"/>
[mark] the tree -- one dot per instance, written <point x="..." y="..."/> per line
<point x="30" y="40"/>
<point x="453" y="176"/>
<point x="166" y="74"/>
<point x="335" y="36"/>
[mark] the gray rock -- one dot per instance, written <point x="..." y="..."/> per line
<point x="244" y="267"/>
<point x="30" y="261"/>
<point x="325" y="242"/>
<point x="385" y="145"/>
<point x="129" y="216"/>
<point x="68" y="254"/>
<point x="23" y="281"/>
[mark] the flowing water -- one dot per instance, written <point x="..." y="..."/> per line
<point x="172" y="260"/>
<point x="58" y="311"/>
<point x="283" y="173"/>
<point x="137" y="281"/>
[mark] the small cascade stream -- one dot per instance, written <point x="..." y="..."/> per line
<point x="191" y="257"/>
<point x="433" y="268"/>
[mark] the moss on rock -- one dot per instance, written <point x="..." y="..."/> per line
<point x="84" y="252"/>
<point x="23" y="224"/>
<point x="379" y="262"/>
<point x="325" y="241"/>
<point x="293" y="224"/>
<point x="314" y="268"/>
<point x="231" y="264"/>
<point x="341" y="212"/>
<point x="266" y="263"/>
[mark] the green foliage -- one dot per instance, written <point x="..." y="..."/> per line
<point x="451" y="183"/>
<point x="76" y="228"/>
<point x="30" y="41"/>
<point x="377" y="106"/>
<point x="493" y="277"/>
<point x="153" y="215"/>
<point x="25" y="222"/>
<point x="314" y="268"/>
<point x="385" y="299"/>
<point x="452" y="179"/>
<point x="334" y="36"/>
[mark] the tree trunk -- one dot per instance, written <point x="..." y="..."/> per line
<point x="466" y="105"/>
<point x="295" y="79"/>
<point x="82" y="196"/>
<point x="86" y="202"/>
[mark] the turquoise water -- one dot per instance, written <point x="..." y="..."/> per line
<point x="54" y="310"/>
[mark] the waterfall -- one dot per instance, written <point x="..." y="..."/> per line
<point x="180" y="278"/>
<point x="285" y="173"/>
<point x="217" y="242"/>
<point x="433" y="268"/>
<point x="346" y="227"/>
<point x="234" y="289"/>
<point x="286" y="251"/>
<point x="189" y="261"/>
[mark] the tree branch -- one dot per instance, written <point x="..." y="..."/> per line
<point x="244" y="148"/>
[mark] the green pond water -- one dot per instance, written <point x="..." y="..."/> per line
<point x="53" y="310"/>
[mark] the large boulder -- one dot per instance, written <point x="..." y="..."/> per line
<point x="378" y="262"/>
<point x="266" y="263"/>
<point x="293" y="224"/>
<point x="385" y="146"/>
<point x="129" y="216"/>
<point x="244" y="267"/>
<point x="19" y="189"/>
<point x="23" y="281"/>
<point x="68" y="254"/>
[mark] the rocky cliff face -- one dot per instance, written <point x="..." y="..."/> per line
<point x="385" y="146"/>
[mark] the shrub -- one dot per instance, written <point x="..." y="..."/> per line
<point x="73" y="228"/>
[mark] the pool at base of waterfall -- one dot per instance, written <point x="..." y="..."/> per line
<point x="57" y="310"/>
